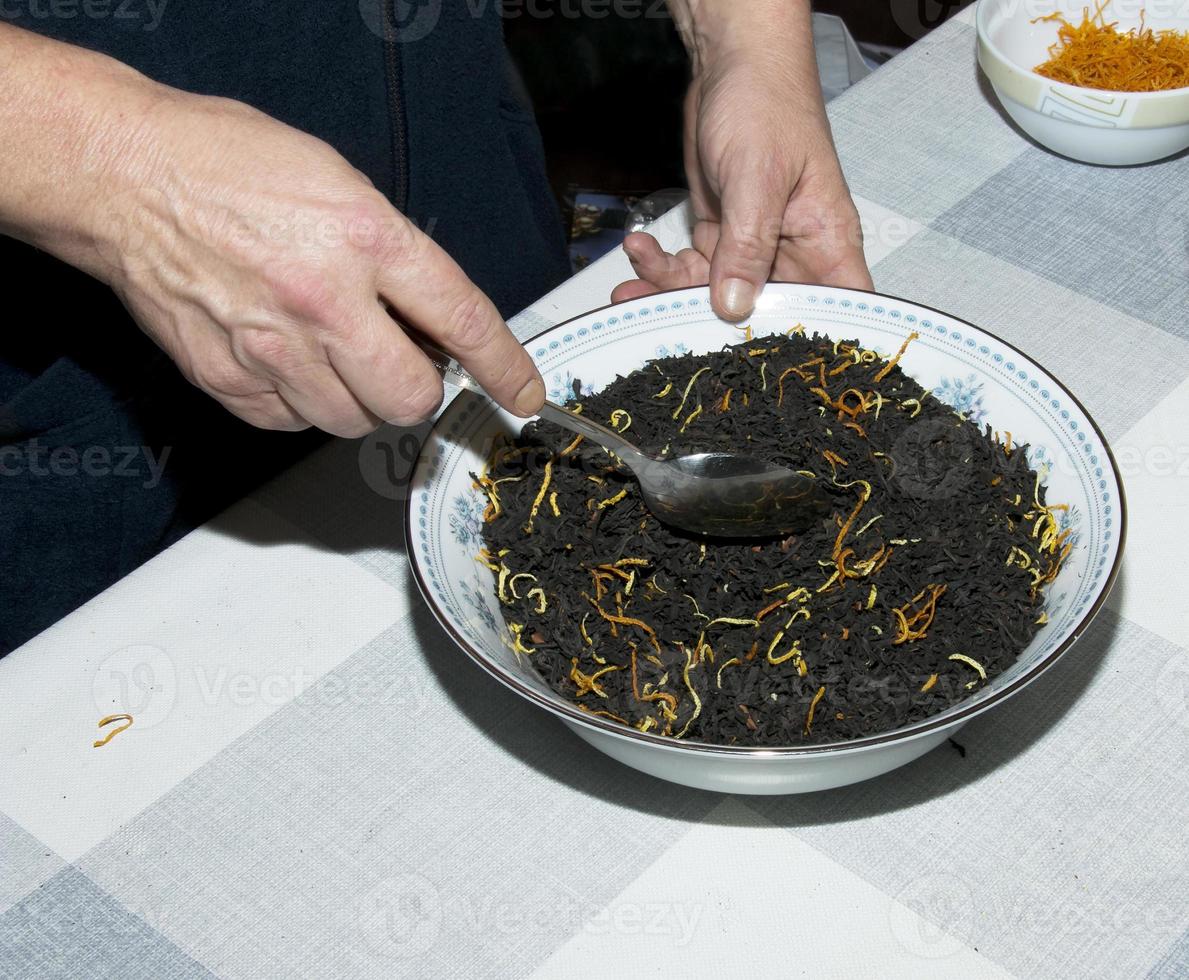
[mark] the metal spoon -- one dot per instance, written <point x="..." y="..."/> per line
<point x="715" y="494"/>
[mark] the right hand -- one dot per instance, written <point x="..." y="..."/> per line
<point x="275" y="275"/>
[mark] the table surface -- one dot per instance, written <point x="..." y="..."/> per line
<point x="317" y="783"/>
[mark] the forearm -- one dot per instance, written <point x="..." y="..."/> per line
<point x="71" y="123"/>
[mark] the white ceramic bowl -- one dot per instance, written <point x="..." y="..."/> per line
<point x="1092" y="125"/>
<point x="964" y="366"/>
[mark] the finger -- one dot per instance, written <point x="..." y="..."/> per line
<point x="644" y="252"/>
<point x="318" y="394"/>
<point x="838" y="259"/>
<point x="304" y="378"/>
<point x="431" y="293"/>
<point x="207" y="363"/>
<point x="827" y="241"/>
<point x="703" y="200"/>
<point x="386" y="370"/>
<point x="692" y="268"/>
<point x="847" y="269"/>
<point x="706" y="235"/>
<point x="753" y="209"/>
<point x="653" y="264"/>
<point x="265" y="410"/>
<point x="633" y="289"/>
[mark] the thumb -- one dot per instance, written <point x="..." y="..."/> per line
<point x="753" y="207"/>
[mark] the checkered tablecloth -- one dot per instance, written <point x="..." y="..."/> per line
<point x="318" y="784"/>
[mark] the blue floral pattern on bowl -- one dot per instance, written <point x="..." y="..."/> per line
<point x="963" y="395"/>
<point x="477" y="597"/>
<point x="466" y="519"/>
<point x="1070" y="520"/>
<point x="1040" y="460"/>
<point x="561" y="388"/>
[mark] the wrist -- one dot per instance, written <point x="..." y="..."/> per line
<point x="117" y="154"/>
<point x="716" y="30"/>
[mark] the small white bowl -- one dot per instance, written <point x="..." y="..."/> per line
<point x="1087" y="124"/>
<point x="971" y="370"/>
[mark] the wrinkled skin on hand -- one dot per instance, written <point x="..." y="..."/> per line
<point x="766" y="188"/>
<point x="278" y="278"/>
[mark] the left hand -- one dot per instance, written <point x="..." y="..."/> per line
<point x="765" y="184"/>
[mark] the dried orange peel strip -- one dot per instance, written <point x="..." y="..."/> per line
<point x="104" y="722"/>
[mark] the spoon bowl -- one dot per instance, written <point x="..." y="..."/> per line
<point x="729" y="496"/>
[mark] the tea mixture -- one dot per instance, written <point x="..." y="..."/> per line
<point x="925" y="582"/>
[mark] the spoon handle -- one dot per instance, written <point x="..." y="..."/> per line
<point x="450" y="370"/>
<point x="632" y="457"/>
<point x="453" y="373"/>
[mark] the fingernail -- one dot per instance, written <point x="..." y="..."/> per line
<point x="531" y="398"/>
<point x="738" y="298"/>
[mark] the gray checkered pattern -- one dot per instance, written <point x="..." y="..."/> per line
<point x="70" y="927"/>
<point x="349" y="780"/>
<point x="1048" y="318"/>
<point x="921" y="134"/>
<point x="28" y="863"/>
<point x="1118" y="235"/>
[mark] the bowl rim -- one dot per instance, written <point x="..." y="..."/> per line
<point x="570" y="713"/>
<point x="984" y="11"/>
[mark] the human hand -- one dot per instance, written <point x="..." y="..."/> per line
<point x="766" y="187"/>
<point x="275" y="275"/>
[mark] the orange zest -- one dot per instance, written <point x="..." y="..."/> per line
<point x="887" y="368"/>
<point x="126" y="719"/>
<point x="812" y="708"/>
<point x="668" y="700"/>
<point x="625" y="621"/>
<point x="1095" y="54"/>
<point x="915" y="626"/>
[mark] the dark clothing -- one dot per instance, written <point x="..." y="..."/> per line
<point x="427" y="109"/>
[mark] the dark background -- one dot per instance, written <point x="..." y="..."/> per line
<point x="608" y="90"/>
